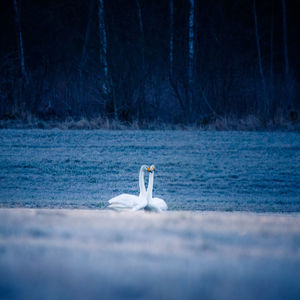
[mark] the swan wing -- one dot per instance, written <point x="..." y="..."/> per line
<point x="127" y="201"/>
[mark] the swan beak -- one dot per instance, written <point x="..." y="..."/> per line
<point x="148" y="169"/>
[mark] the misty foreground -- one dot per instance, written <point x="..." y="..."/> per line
<point x="100" y="254"/>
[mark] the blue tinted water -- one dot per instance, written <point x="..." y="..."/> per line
<point x="194" y="170"/>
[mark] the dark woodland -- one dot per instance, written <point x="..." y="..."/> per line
<point x="142" y="61"/>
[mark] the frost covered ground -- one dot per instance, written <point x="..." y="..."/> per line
<point x="99" y="254"/>
<point x="227" y="171"/>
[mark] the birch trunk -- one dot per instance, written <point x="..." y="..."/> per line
<point x="261" y="72"/>
<point x="285" y="48"/>
<point x="108" y="88"/>
<point x="20" y="41"/>
<point x="171" y="44"/>
<point x="142" y="84"/>
<point x="191" y="55"/>
<point x="86" y="39"/>
<point x="271" y="85"/>
<point x="103" y="40"/>
<point x="271" y="50"/>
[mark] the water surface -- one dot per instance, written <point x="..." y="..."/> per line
<point x="195" y="170"/>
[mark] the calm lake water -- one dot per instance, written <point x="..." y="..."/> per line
<point x="195" y="170"/>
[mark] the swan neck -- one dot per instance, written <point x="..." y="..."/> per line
<point x="150" y="185"/>
<point x="142" y="182"/>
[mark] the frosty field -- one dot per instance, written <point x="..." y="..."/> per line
<point x="227" y="171"/>
<point x="100" y="254"/>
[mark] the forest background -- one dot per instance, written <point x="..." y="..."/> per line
<point x="150" y="64"/>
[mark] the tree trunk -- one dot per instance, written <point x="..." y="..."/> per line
<point x="171" y="43"/>
<point x="285" y="48"/>
<point x="86" y="39"/>
<point x="271" y="84"/>
<point x="20" y="42"/>
<point x="107" y="87"/>
<point x="261" y="72"/>
<point x="81" y="94"/>
<point x="271" y="50"/>
<point x="143" y="79"/>
<point x="191" y="56"/>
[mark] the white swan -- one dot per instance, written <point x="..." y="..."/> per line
<point x="154" y="204"/>
<point x="132" y="202"/>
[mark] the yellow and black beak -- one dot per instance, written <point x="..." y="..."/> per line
<point x="149" y="170"/>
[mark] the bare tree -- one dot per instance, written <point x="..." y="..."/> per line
<point x="173" y="82"/>
<point x="285" y="48"/>
<point x="183" y="86"/>
<point x="107" y="87"/>
<point x="171" y="42"/>
<point x="86" y="39"/>
<point x="261" y="72"/>
<point x="191" y="54"/>
<point x="271" y="79"/>
<point x="271" y="48"/>
<point x="20" y="41"/>
<point x="141" y="100"/>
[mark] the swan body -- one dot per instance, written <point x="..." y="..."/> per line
<point x="154" y="204"/>
<point x="144" y="200"/>
<point x="127" y="202"/>
<point x="157" y="204"/>
<point x="132" y="202"/>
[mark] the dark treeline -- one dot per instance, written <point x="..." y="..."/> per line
<point x="169" y="61"/>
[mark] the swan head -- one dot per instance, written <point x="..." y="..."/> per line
<point x="151" y="169"/>
<point x="144" y="168"/>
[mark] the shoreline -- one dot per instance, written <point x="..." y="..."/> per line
<point x="171" y="211"/>
<point x="250" y="123"/>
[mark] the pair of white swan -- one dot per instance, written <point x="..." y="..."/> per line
<point x="144" y="200"/>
